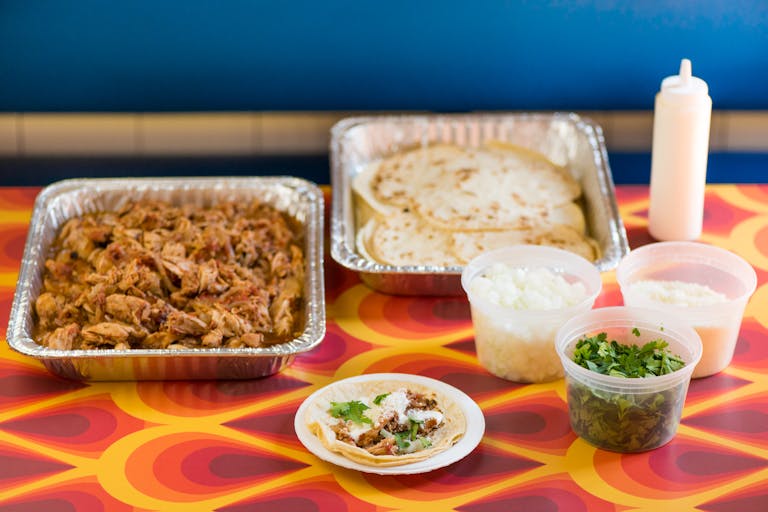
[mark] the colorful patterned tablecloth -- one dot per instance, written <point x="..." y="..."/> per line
<point x="231" y="446"/>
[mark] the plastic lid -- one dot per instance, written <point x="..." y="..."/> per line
<point x="684" y="85"/>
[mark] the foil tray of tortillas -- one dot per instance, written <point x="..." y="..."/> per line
<point x="415" y="197"/>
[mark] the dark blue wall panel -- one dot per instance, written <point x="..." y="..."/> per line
<point x="156" y="55"/>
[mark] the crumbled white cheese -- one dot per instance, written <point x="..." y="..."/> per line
<point x="520" y="288"/>
<point x="395" y="402"/>
<point x="421" y="416"/>
<point x="521" y="347"/>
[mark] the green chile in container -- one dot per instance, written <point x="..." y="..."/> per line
<point x="627" y="372"/>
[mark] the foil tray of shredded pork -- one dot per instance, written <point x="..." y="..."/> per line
<point x="416" y="197"/>
<point x="171" y="278"/>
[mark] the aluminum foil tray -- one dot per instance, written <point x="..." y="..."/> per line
<point x="566" y="139"/>
<point x="61" y="201"/>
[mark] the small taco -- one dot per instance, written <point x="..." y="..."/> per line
<point x="385" y="423"/>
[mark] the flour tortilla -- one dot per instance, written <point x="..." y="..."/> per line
<point x="468" y="245"/>
<point x="413" y="242"/>
<point x="511" y="150"/>
<point x="569" y="239"/>
<point x="437" y="205"/>
<point x="568" y="214"/>
<point x="405" y="239"/>
<point x="494" y="197"/>
<point x="367" y="206"/>
<point x="319" y="421"/>
<point x="456" y="216"/>
<point x="362" y="239"/>
<point x="398" y="177"/>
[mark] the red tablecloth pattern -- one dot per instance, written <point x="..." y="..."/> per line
<point x="231" y="446"/>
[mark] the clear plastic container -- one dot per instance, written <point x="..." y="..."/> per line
<point x="627" y="414"/>
<point x="513" y="340"/>
<point x="690" y="272"/>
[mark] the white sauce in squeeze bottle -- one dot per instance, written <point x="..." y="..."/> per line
<point x="681" y="119"/>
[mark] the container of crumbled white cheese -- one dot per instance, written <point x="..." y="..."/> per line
<point x="519" y="297"/>
<point x="706" y="286"/>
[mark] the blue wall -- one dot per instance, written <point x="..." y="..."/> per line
<point x="155" y="55"/>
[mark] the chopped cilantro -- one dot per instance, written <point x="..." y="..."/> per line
<point x="404" y="440"/>
<point x="380" y="398"/>
<point x="625" y="422"/>
<point x="401" y="440"/>
<point x="636" y="331"/>
<point x="350" y="411"/>
<point x="415" y="428"/>
<point x="598" y="354"/>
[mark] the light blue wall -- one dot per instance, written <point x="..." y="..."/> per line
<point x="156" y="55"/>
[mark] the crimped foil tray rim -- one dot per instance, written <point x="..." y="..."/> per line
<point x="315" y="327"/>
<point x="348" y="257"/>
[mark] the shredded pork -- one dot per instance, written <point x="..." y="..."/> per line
<point x="380" y="439"/>
<point x="153" y="275"/>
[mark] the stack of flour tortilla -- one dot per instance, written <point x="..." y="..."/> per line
<point x="442" y="205"/>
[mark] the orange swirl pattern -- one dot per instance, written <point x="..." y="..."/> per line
<point x="230" y="446"/>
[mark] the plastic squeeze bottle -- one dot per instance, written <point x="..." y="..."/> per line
<point x="681" y="119"/>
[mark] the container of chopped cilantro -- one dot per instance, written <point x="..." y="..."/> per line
<point x="627" y="372"/>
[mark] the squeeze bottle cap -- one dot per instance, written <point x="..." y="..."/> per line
<point x="684" y="87"/>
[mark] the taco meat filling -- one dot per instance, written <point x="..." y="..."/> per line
<point x="393" y="423"/>
<point x="157" y="276"/>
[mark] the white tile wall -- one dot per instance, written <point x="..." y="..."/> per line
<point x="245" y="133"/>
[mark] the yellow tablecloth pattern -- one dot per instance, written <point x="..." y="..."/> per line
<point x="231" y="446"/>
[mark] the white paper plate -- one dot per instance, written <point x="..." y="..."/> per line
<point x="471" y="438"/>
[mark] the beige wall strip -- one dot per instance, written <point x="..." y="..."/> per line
<point x="304" y="133"/>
